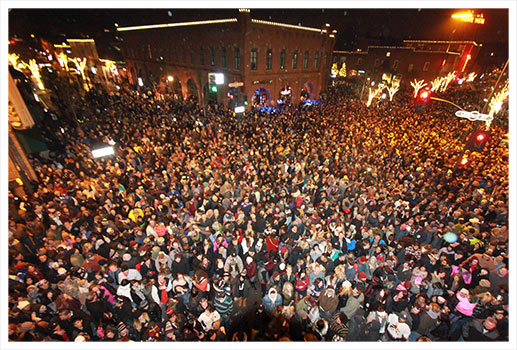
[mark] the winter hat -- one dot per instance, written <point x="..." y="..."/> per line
<point x="347" y="284"/>
<point x="23" y="304"/>
<point x="126" y="257"/>
<point x="61" y="271"/>
<point x="485" y="283"/>
<point x="80" y="338"/>
<point x="249" y="260"/>
<point x="362" y="260"/>
<point x="362" y="276"/>
<point x="121" y="326"/>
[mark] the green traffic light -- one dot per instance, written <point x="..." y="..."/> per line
<point x="214" y="88"/>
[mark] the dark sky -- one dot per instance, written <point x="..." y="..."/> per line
<point x="389" y="26"/>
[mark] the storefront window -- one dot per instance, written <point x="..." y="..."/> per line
<point x="306" y="59"/>
<point x="282" y="59"/>
<point x="316" y="58"/>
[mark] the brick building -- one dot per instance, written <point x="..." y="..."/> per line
<point x="263" y="62"/>
<point x="416" y="59"/>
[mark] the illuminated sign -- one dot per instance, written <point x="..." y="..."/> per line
<point x="239" y="109"/>
<point x="219" y="78"/>
<point x="469" y="17"/>
<point x="474" y="115"/>
<point x="102" y="152"/>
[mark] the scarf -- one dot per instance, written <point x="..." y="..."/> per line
<point x="164" y="296"/>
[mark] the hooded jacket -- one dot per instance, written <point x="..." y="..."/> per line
<point x="328" y="300"/>
<point x="271" y="300"/>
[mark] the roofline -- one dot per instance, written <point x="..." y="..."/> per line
<point x="179" y="24"/>
<point x="80" y="40"/>
<point x="216" y="21"/>
<point x="292" y="26"/>
<point x="443" y="42"/>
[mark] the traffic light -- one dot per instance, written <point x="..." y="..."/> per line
<point x="478" y="140"/>
<point x="212" y="87"/>
<point x="232" y="96"/>
<point x="421" y="101"/>
<point x="424" y="96"/>
<point x="245" y="100"/>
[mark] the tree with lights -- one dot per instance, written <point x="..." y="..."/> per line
<point x="334" y="69"/>
<point x="450" y="77"/>
<point x="372" y="94"/>
<point x="33" y="67"/>
<point x="417" y="85"/>
<point x="436" y="83"/>
<point x="63" y="59"/>
<point x="392" y="90"/>
<point x="13" y="59"/>
<point x="81" y="66"/>
<point x="342" y="71"/>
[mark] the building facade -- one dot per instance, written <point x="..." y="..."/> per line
<point x="416" y="59"/>
<point x="264" y="63"/>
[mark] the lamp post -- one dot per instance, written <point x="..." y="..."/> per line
<point x="483" y="111"/>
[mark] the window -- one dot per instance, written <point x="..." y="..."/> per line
<point x="269" y="59"/>
<point x="295" y="59"/>
<point x="253" y="59"/>
<point x="223" y="56"/>
<point x="201" y="56"/>
<point x="282" y="59"/>
<point x="237" y="58"/>
<point x="316" y="58"/>
<point x="395" y="64"/>
<point x="426" y="66"/>
<point x="306" y="59"/>
<point x="212" y="56"/>
<point x="376" y="63"/>
<point x="359" y="61"/>
<point x="410" y="68"/>
<point x="184" y="54"/>
<point x="326" y="59"/>
<point x="192" y="55"/>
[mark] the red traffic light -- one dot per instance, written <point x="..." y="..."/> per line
<point x="424" y="95"/>
<point x="480" y="137"/>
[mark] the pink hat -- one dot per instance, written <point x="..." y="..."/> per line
<point x="403" y="226"/>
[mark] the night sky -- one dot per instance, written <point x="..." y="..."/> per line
<point x="384" y="26"/>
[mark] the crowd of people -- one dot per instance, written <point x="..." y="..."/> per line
<point x="334" y="222"/>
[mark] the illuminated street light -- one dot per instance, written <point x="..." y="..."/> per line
<point x="463" y="15"/>
<point x="170" y="78"/>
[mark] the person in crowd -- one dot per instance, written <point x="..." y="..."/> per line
<point x="324" y="222"/>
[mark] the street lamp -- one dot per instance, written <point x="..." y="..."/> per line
<point x="170" y="78"/>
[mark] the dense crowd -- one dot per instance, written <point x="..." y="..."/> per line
<point x="334" y="222"/>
